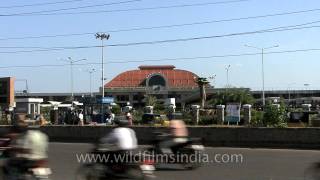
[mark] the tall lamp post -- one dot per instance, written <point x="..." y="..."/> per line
<point x="227" y="70"/>
<point x="262" y="68"/>
<point x="91" y="71"/>
<point x="102" y="37"/>
<point x="71" y="61"/>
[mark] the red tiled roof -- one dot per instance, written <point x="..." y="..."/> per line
<point x="135" y="78"/>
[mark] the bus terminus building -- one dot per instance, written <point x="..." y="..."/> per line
<point x="160" y="81"/>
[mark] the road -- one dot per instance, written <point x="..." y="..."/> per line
<point x="257" y="164"/>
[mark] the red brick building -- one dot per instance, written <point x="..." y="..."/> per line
<point x="6" y="92"/>
<point x="161" y="81"/>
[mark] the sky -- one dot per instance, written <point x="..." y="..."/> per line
<point x="282" y="70"/>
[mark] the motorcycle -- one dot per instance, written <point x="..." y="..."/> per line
<point x="188" y="153"/>
<point x="14" y="169"/>
<point x="101" y="170"/>
<point x="26" y="170"/>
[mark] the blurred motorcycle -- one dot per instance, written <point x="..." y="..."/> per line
<point x="19" y="169"/>
<point x="187" y="154"/>
<point x="101" y="170"/>
<point x="26" y="170"/>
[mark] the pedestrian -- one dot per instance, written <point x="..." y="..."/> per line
<point x="129" y="118"/>
<point x="42" y="120"/>
<point x="81" y="123"/>
<point x="112" y="118"/>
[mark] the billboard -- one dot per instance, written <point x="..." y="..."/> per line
<point x="233" y="112"/>
<point x="6" y="91"/>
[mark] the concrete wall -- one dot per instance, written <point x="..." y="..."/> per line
<point x="305" y="138"/>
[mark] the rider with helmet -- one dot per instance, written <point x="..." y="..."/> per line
<point x="119" y="141"/>
<point x="28" y="147"/>
<point x="178" y="135"/>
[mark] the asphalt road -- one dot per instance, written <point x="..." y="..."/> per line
<point x="257" y="164"/>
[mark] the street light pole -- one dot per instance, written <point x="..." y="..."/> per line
<point x="71" y="61"/>
<point x="91" y="71"/>
<point x="227" y="69"/>
<point x="102" y="36"/>
<point x="262" y="69"/>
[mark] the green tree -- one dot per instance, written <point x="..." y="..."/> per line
<point x="202" y="83"/>
<point x="116" y="109"/>
<point x="157" y="106"/>
<point x="232" y="95"/>
<point x="256" y="118"/>
<point x="274" y="116"/>
<point x="151" y="100"/>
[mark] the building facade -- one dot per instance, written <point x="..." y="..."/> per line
<point x="162" y="82"/>
<point x="6" y="92"/>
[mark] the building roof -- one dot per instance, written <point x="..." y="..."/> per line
<point x="176" y="78"/>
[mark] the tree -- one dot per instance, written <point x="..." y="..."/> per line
<point x="242" y="96"/>
<point x="151" y="100"/>
<point x="202" y="83"/>
<point x="116" y="109"/>
<point x="274" y="116"/>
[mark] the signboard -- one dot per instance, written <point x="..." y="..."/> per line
<point x="233" y="112"/>
<point x="170" y="101"/>
<point x="106" y="100"/>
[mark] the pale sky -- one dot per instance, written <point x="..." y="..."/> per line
<point x="282" y="71"/>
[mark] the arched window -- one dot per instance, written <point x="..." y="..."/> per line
<point x="156" y="82"/>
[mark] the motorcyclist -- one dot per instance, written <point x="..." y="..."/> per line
<point x="119" y="141"/>
<point x="178" y="135"/>
<point x="28" y="147"/>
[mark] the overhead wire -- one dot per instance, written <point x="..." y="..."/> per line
<point x="164" y="59"/>
<point x="71" y="8"/>
<point x="39" y="4"/>
<point x="42" y="13"/>
<point x="269" y="30"/>
<point x="163" y="26"/>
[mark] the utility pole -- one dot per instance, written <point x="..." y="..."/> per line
<point x="262" y="68"/>
<point x="71" y="61"/>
